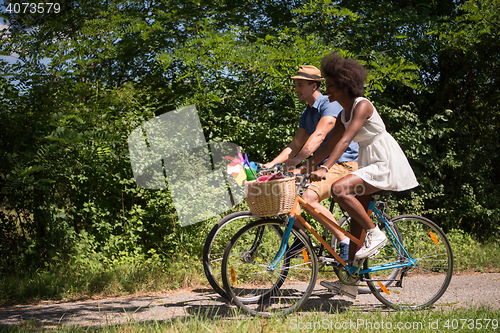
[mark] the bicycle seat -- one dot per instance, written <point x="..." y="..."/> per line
<point x="384" y="193"/>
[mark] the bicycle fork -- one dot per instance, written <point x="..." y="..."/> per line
<point x="284" y="244"/>
<point x="402" y="253"/>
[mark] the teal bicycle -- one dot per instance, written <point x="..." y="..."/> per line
<point x="263" y="277"/>
<point x="221" y="233"/>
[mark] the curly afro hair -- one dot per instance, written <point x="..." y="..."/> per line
<point x="347" y="74"/>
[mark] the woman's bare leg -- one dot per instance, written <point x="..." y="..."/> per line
<point x="354" y="195"/>
<point x="348" y="192"/>
<point x="356" y="228"/>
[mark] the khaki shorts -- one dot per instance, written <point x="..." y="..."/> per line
<point x="336" y="172"/>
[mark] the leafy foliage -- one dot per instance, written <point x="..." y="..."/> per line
<point x="86" y="77"/>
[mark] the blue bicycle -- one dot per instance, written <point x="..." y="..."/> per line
<point x="263" y="277"/>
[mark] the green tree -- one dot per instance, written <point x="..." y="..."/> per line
<point x="87" y="76"/>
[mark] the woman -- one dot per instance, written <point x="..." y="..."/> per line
<point x="382" y="165"/>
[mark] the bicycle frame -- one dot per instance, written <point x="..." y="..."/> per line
<point x="395" y="242"/>
<point x="295" y="214"/>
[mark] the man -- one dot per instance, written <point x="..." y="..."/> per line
<point x="315" y="126"/>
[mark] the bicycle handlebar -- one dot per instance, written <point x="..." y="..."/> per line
<point x="304" y="179"/>
<point x="279" y="167"/>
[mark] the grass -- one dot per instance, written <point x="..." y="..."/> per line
<point x="439" y="320"/>
<point x="121" y="279"/>
<point x="139" y="276"/>
<point x="470" y="255"/>
<point x="132" y="276"/>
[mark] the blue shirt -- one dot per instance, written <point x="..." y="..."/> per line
<point x="311" y="116"/>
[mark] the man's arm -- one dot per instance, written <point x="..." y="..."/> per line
<point x="325" y="125"/>
<point x="291" y="149"/>
<point x="327" y="148"/>
<point x="329" y="113"/>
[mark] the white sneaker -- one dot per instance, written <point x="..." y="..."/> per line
<point x="340" y="288"/>
<point x="374" y="240"/>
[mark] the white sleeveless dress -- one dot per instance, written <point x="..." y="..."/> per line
<point x="381" y="162"/>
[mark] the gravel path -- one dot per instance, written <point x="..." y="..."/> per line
<point x="464" y="291"/>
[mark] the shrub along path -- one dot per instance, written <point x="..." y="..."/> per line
<point x="465" y="290"/>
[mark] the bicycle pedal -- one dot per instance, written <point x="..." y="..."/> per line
<point x="335" y="293"/>
<point x="329" y="260"/>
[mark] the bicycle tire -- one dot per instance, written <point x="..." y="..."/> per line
<point x="363" y="287"/>
<point x="216" y="242"/>
<point x="256" y="288"/>
<point x="423" y="283"/>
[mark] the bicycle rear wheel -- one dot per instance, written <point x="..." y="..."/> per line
<point x="216" y="243"/>
<point x="259" y="289"/>
<point x="419" y="285"/>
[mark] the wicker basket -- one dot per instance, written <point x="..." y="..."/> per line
<point x="269" y="198"/>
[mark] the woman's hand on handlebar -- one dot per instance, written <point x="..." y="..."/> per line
<point x="318" y="175"/>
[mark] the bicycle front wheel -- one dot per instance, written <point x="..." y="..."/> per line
<point x="422" y="283"/>
<point x="254" y="284"/>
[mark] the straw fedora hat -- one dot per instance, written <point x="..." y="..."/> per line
<point x="308" y="72"/>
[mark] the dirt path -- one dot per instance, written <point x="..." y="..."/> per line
<point x="464" y="291"/>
